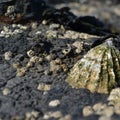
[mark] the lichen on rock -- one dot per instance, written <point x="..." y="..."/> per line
<point x="98" y="70"/>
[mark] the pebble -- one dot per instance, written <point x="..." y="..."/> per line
<point x="54" y="103"/>
<point x="6" y="91"/>
<point x="87" y="111"/>
<point x="44" y="87"/>
<point x="56" y="115"/>
<point x="8" y="55"/>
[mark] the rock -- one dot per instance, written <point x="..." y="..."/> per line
<point x="98" y="70"/>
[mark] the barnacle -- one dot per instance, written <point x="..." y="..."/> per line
<point x="98" y="70"/>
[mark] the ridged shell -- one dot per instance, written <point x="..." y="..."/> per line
<point x="98" y="70"/>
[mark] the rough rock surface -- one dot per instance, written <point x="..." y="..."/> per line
<point x="34" y="62"/>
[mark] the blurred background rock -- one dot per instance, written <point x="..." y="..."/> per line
<point x="106" y="10"/>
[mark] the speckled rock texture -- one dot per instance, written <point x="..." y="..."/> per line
<point x="35" y="59"/>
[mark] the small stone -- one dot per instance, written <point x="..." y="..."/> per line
<point x="54" y="103"/>
<point x="44" y="87"/>
<point x="6" y="91"/>
<point x="87" y="111"/>
<point x="21" y="71"/>
<point x="8" y="55"/>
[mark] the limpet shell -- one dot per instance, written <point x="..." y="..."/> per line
<point x="98" y="70"/>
